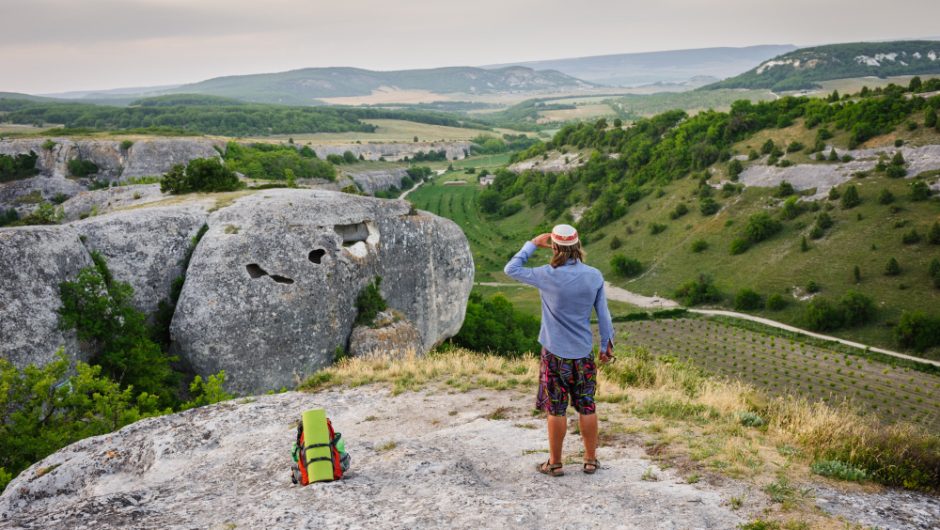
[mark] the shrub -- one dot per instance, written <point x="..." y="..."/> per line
<point x="833" y="155"/>
<point x="910" y="238"/>
<point x="82" y="168"/>
<point x="369" y="303"/>
<point x="834" y="194"/>
<point x="615" y="243"/>
<point x="699" y="245"/>
<point x="934" y="271"/>
<point x="858" y="308"/>
<point x="708" y="206"/>
<point x="739" y="246"/>
<point x="917" y="330"/>
<point x="930" y="118"/>
<point x="794" y="147"/>
<point x="656" y="228"/>
<point x="748" y="299"/>
<point x="751" y="419"/>
<point x="48" y="145"/>
<point x="850" y="198"/>
<point x="8" y="216"/>
<point x="919" y="191"/>
<point x="791" y="209"/>
<point x="699" y="291"/>
<point x="933" y="236"/>
<point x="785" y="189"/>
<point x="839" y="470"/>
<point x="126" y="145"/>
<point x="822" y="315"/>
<point x="680" y="210"/>
<point x="892" y="268"/>
<point x="761" y="226"/>
<point x="824" y="221"/>
<point x="895" y="172"/>
<point x="768" y="147"/>
<point x="201" y="174"/>
<point x="885" y="197"/>
<point x="776" y="302"/>
<point x="493" y="325"/>
<point x="734" y="169"/>
<point x="625" y="266"/>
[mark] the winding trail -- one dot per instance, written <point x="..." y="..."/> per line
<point x="655" y="302"/>
<point x="418" y="184"/>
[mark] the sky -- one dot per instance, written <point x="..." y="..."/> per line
<point x="51" y="46"/>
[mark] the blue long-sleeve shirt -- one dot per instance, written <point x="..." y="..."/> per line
<point x="568" y="294"/>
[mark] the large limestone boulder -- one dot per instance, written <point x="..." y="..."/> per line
<point x="378" y="180"/>
<point x="24" y="195"/>
<point x="34" y="260"/>
<point x="156" y="156"/>
<point x="96" y="202"/>
<point x="144" y="247"/>
<point x="270" y="291"/>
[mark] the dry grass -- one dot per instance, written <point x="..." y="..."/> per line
<point x="687" y="420"/>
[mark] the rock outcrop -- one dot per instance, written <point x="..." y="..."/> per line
<point x="147" y="157"/>
<point x="144" y="247"/>
<point x="379" y="180"/>
<point x="419" y="460"/>
<point x="24" y="195"/>
<point x="455" y="150"/>
<point x="96" y="202"/>
<point x="34" y="260"/>
<point x="270" y="292"/>
<point x="392" y="335"/>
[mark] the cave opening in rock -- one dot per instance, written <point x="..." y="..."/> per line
<point x="255" y="270"/>
<point x="352" y="233"/>
<point x="316" y="255"/>
<point x="281" y="279"/>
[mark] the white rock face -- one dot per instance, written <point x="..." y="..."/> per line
<point x="555" y="162"/>
<point x="228" y="466"/>
<point x="34" y="260"/>
<point x="270" y="292"/>
<point x="379" y="180"/>
<point x="394" y="151"/>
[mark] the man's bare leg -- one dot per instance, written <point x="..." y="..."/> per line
<point x="557" y="425"/>
<point x="588" y="425"/>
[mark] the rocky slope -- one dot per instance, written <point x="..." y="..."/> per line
<point x="457" y="464"/>
<point x="271" y="288"/>
<point x="394" y="150"/>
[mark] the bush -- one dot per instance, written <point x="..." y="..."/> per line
<point x="699" y="245"/>
<point x="785" y="189"/>
<point x="734" y="169"/>
<point x="201" y="174"/>
<point x="791" y="209"/>
<point x="910" y="238"/>
<point x="839" y="470"/>
<point x="794" y="147"/>
<point x="271" y="162"/>
<point x="776" y="302"/>
<point x="493" y="325"/>
<point x="698" y="291"/>
<point x="822" y="315"/>
<point x="615" y="243"/>
<point x="919" y="191"/>
<point x="748" y="299"/>
<point x="885" y="197"/>
<point x="917" y="330"/>
<point x="895" y="172"/>
<point x="126" y="145"/>
<point x="82" y="168"/>
<point x="656" y="228"/>
<point x="934" y="271"/>
<point x="761" y="226"/>
<point x="625" y="266"/>
<point x="369" y="303"/>
<point x="708" y="206"/>
<point x="680" y="210"/>
<point x="892" y="268"/>
<point x="933" y="236"/>
<point x="739" y="246"/>
<point x="858" y="308"/>
<point x="850" y="198"/>
<point x="834" y="194"/>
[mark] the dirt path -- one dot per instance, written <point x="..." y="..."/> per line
<point x="655" y="302"/>
<point x="418" y="184"/>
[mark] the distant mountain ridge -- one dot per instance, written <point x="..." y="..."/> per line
<point x="306" y="86"/>
<point x="671" y="66"/>
<point x="806" y="67"/>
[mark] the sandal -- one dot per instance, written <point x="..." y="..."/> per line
<point x="595" y="464"/>
<point x="547" y="468"/>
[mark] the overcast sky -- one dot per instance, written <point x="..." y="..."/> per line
<point x="60" y="45"/>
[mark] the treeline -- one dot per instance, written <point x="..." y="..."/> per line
<point x="195" y="114"/>
<point x="627" y="162"/>
<point x="18" y="166"/>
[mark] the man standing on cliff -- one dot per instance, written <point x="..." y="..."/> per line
<point x="569" y="290"/>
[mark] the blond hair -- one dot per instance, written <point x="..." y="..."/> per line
<point x="563" y="253"/>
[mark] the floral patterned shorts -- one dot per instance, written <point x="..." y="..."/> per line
<point x="561" y="380"/>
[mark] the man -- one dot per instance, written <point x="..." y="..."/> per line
<point x="569" y="290"/>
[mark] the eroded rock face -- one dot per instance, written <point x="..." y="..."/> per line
<point x="148" y="157"/>
<point x="380" y="180"/>
<point x="24" y="195"/>
<point x="392" y="335"/>
<point x="97" y="202"/>
<point x="144" y="247"/>
<point x="270" y="292"/>
<point x="394" y="151"/>
<point x="33" y="261"/>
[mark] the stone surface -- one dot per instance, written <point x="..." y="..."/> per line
<point x="394" y="151"/>
<point x="228" y="466"/>
<point x="555" y="162"/>
<point x="270" y="292"/>
<point x="392" y="335"/>
<point x="97" y="202"/>
<point x="144" y="247"/>
<point x="379" y="180"/>
<point x="146" y="157"/>
<point x="34" y="260"/>
<point x="24" y="195"/>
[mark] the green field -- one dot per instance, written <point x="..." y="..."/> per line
<point x="782" y="366"/>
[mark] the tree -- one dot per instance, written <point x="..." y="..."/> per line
<point x="892" y="268"/>
<point x="915" y="84"/>
<point x="768" y="147"/>
<point x="833" y="155"/>
<point x="822" y="315"/>
<point x="917" y="330"/>
<point x="919" y="191"/>
<point x="775" y="302"/>
<point x="857" y="274"/>
<point x="761" y="226"/>
<point x="349" y="157"/>
<point x="933" y="236"/>
<point x="850" y="198"/>
<point x="857" y="308"/>
<point x="493" y="325"/>
<point x="699" y="291"/>
<point x="885" y="197"/>
<point x="734" y="168"/>
<point x="930" y="118"/>
<point x="748" y="299"/>
<point x="201" y="174"/>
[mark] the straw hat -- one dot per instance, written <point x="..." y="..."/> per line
<point x="564" y="235"/>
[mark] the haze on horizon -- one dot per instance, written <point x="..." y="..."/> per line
<point x="51" y="46"/>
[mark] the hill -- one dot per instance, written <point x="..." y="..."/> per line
<point x="806" y="67"/>
<point x="306" y="86"/>
<point x="692" y="195"/>
<point x="672" y="66"/>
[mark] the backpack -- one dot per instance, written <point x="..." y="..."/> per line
<point x="306" y="455"/>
